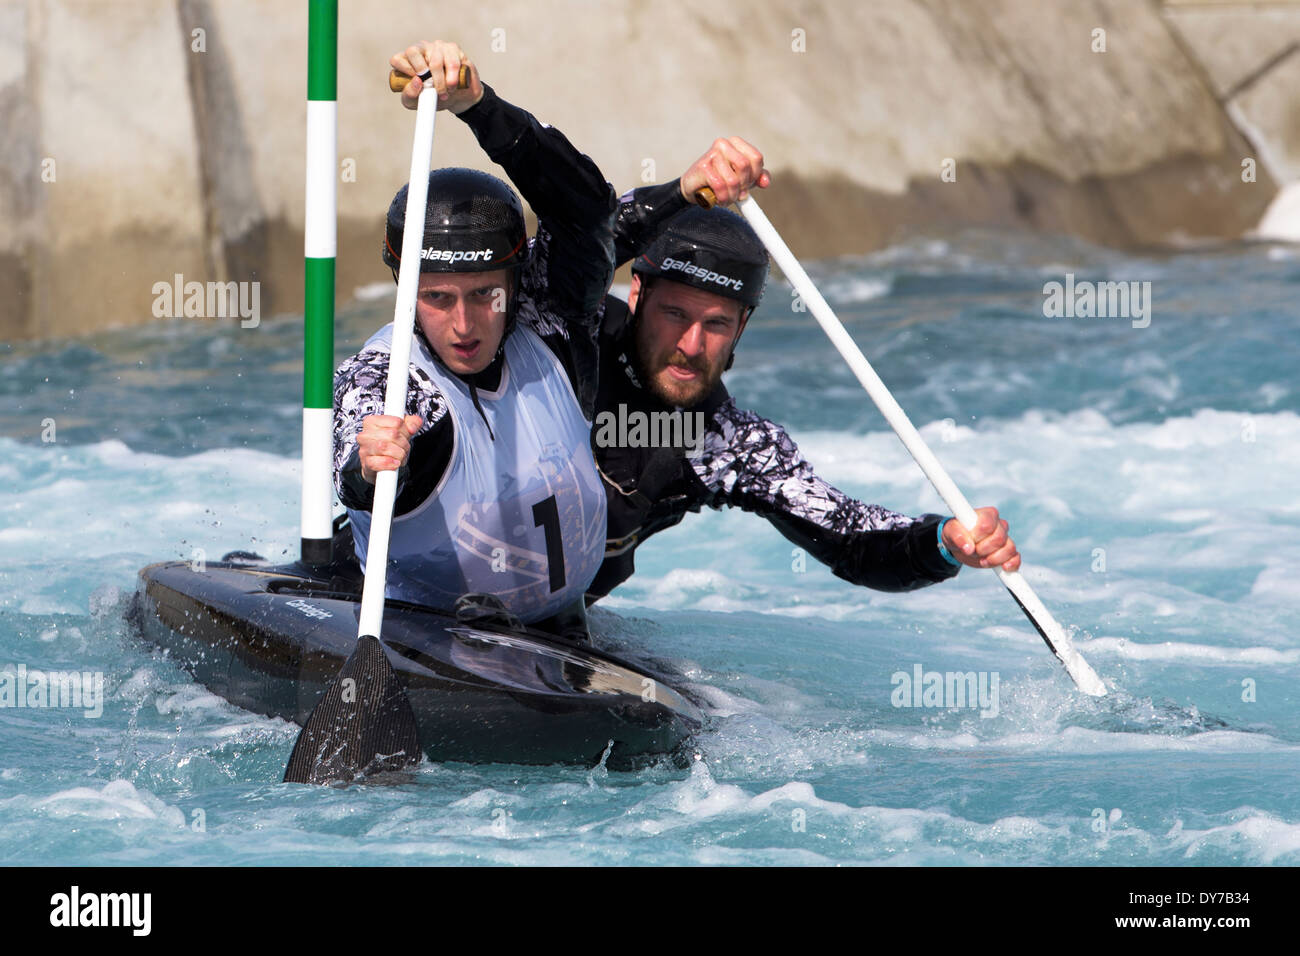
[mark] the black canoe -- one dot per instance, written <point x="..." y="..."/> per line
<point x="270" y="639"/>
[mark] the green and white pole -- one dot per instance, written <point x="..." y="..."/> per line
<point x="320" y="245"/>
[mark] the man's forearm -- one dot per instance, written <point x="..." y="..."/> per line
<point x="353" y="489"/>
<point x="557" y="181"/>
<point x="419" y="475"/>
<point x="894" y="559"/>
<point x="574" y="251"/>
<point x="640" y="214"/>
<point x="359" y="387"/>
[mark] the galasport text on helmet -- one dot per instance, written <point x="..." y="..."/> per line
<point x="473" y="223"/>
<point x="711" y="249"/>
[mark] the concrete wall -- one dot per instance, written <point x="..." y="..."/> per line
<point x="169" y="159"/>
<point x="1250" y="55"/>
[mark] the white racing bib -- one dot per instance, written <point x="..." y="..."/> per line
<point x="522" y="516"/>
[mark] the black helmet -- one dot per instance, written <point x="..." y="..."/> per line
<point x="473" y="223"/>
<point x="711" y="249"/>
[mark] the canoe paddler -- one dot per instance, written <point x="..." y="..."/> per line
<point x="498" y="497"/>
<point x="697" y="276"/>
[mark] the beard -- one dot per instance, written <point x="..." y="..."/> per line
<point x="653" y="373"/>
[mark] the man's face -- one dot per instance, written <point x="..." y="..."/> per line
<point x="463" y="316"/>
<point x="684" y="337"/>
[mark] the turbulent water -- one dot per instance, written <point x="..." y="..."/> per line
<point x="1149" y="475"/>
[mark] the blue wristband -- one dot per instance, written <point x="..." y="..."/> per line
<point x="947" y="555"/>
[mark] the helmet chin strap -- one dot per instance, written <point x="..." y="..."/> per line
<point x="512" y="309"/>
<point x="744" y="320"/>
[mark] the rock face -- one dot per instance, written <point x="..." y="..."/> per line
<point x="178" y="148"/>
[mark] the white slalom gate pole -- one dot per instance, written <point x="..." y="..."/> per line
<point x="1085" y="678"/>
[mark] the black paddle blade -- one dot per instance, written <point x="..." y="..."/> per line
<point x="363" y="725"/>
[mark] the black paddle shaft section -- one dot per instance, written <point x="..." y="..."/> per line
<point x="317" y="552"/>
<point x="1037" y="627"/>
<point x="363" y="725"/>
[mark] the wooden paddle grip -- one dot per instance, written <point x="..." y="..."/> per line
<point x="397" y="81"/>
<point x="706" y="197"/>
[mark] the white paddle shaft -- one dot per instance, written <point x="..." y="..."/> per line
<point x="408" y="286"/>
<point x="1085" y="678"/>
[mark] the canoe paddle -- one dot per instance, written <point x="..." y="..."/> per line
<point x="364" y="723"/>
<point x="1085" y="678"/>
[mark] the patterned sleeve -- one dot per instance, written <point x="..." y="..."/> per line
<point x="359" y="393"/>
<point x="750" y="462"/>
<point x="533" y="289"/>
